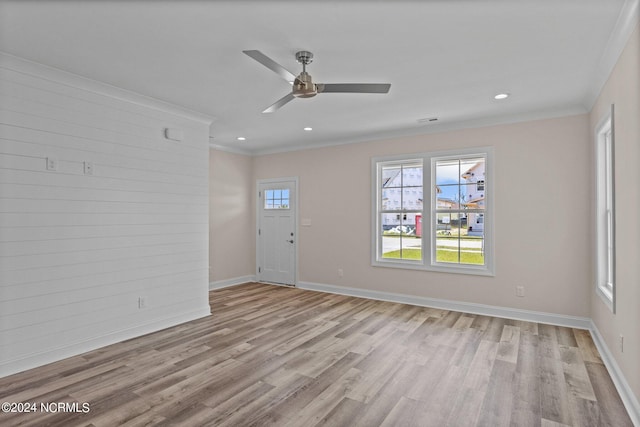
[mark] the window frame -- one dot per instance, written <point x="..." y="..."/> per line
<point x="605" y="212"/>
<point x="427" y="262"/>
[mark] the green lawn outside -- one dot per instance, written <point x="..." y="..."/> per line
<point x="441" y="256"/>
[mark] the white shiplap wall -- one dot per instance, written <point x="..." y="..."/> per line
<point x="77" y="251"/>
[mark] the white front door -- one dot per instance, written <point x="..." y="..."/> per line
<point x="276" y="254"/>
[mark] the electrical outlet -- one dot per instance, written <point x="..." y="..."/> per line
<point x="88" y="168"/>
<point x="340" y="272"/>
<point x="519" y="291"/>
<point x="142" y="302"/>
<point x="52" y="164"/>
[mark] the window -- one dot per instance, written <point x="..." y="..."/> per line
<point x="399" y="208"/>
<point x="452" y="230"/>
<point x="276" y="199"/>
<point x="605" y="211"/>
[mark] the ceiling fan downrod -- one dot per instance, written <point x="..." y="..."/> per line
<point x="303" y="86"/>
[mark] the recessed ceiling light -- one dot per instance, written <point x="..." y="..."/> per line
<point x="241" y="138"/>
<point x="308" y="129"/>
<point x="501" y="96"/>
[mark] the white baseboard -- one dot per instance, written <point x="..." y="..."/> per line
<point x="626" y="394"/>
<point x="487" y="310"/>
<point x="35" y="360"/>
<point x="219" y="284"/>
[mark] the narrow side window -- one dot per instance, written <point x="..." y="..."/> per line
<point x="605" y="211"/>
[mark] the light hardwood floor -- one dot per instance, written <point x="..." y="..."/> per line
<point x="279" y="356"/>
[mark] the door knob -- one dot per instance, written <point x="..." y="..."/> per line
<point x="290" y="241"/>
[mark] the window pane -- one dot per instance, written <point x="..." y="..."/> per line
<point x="447" y="172"/>
<point x="391" y="176"/>
<point x="412" y="175"/>
<point x="411" y="248"/>
<point x="401" y="186"/>
<point x="268" y="194"/>
<point x="472" y="250"/>
<point x="412" y="198"/>
<point x="447" y="237"/>
<point x="387" y="199"/>
<point x="475" y="224"/>
<point x="472" y="170"/>
<point x="470" y="197"/>
<point x="399" y="240"/>
<point x="460" y="238"/>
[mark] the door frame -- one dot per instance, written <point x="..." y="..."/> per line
<point x="260" y="182"/>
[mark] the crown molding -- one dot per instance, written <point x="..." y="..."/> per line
<point x="233" y="150"/>
<point x="35" y="69"/>
<point x="441" y="127"/>
<point x="628" y="20"/>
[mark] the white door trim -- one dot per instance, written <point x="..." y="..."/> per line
<point x="260" y="182"/>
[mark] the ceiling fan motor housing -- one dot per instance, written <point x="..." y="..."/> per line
<point x="303" y="86"/>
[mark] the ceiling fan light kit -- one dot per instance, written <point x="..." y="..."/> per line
<point x="303" y="86"/>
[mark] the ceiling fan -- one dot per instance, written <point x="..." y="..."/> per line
<point x="303" y="86"/>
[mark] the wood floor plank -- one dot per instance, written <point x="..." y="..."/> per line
<point x="612" y="411"/>
<point x="343" y="414"/>
<point x="328" y="399"/>
<point x="405" y="413"/>
<point x="587" y="347"/>
<point x="287" y="410"/>
<point x="496" y="406"/>
<point x="383" y="402"/>
<point x="508" y="346"/>
<point x="277" y="356"/>
<point x="554" y="396"/>
<point x="466" y="407"/>
<point x="526" y="393"/>
<point x="575" y="373"/>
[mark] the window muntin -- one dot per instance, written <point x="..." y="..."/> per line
<point x="434" y="235"/>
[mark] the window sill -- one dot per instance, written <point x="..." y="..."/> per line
<point x="457" y="269"/>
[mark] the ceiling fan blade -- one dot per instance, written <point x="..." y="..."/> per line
<point x="270" y="64"/>
<point x="279" y="103"/>
<point x="354" y="87"/>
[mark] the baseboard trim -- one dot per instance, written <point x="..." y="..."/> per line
<point x="626" y="394"/>
<point x="486" y="310"/>
<point x="35" y="360"/>
<point x="220" y="284"/>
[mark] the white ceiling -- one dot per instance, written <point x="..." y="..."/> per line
<point x="444" y="59"/>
